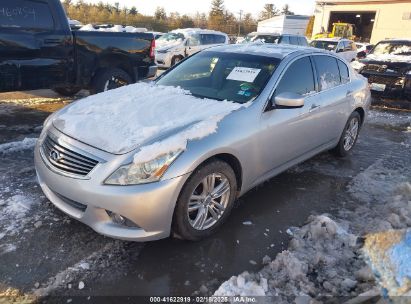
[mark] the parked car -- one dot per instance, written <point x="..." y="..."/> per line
<point x="276" y="38"/>
<point x="38" y="50"/>
<point x="343" y="47"/>
<point x="388" y="68"/>
<point x="363" y="49"/>
<point x="176" y="154"/>
<point x="179" y="44"/>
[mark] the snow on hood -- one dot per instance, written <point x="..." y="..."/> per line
<point x="389" y="58"/>
<point x="158" y="118"/>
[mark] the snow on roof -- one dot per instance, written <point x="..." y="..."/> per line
<point x="331" y="39"/>
<point x="192" y="31"/>
<point x="158" y="119"/>
<point x="264" y="49"/>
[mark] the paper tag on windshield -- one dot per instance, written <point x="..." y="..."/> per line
<point x="243" y="74"/>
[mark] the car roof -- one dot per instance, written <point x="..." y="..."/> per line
<point x="279" y="51"/>
<point x="396" y="40"/>
<point x="335" y="39"/>
<point x="273" y="34"/>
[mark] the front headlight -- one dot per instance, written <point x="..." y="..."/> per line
<point x="143" y="173"/>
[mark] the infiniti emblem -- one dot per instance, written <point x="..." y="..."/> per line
<point x="54" y="155"/>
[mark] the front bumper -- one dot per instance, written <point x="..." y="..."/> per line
<point x="395" y="85"/>
<point x="149" y="206"/>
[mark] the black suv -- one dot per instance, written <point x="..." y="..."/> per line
<point x="388" y="68"/>
<point x="276" y="38"/>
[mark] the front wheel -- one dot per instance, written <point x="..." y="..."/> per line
<point x="205" y="201"/>
<point x="349" y="136"/>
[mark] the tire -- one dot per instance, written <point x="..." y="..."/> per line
<point x="347" y="141"/>
<point x="175" y="60"/>
<point x="67" y="91"/>
<point x="184" y="221"/>
<point x="110" y="79"/>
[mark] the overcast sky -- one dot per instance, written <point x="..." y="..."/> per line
<point x="303" y="7"/>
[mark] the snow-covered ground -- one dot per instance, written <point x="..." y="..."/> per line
<point x="325" y="257"/>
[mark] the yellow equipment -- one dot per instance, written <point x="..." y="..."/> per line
<point x="340" y="29"/>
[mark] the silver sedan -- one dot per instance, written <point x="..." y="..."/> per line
<point x="292" y="103"/>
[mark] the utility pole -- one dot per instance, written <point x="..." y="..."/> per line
<point x="239" y="23"/>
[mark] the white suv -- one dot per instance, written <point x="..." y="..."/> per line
<point x="345" y="48"/>
<point x="174" y="46"/>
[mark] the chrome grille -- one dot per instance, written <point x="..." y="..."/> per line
<point x="67" y="160"/>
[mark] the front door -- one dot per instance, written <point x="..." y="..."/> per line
<point x="34" y="52"/>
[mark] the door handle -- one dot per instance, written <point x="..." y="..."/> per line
<point x="314" y="108"/>
<point x="349" y="93"/>
<point x="52" y="41"/>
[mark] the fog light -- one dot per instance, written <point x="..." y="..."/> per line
<point x="121" y="220"/>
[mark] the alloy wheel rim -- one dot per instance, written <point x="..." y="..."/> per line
<point x="351" y="134"/>
<point x="208" y="201"/>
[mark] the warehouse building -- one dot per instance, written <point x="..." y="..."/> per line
<point x="373" y="20"/>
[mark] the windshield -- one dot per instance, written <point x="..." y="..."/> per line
<point x="325" y="45"/>
<point x="171" y="37"/>
<point x="392" y="48"/>
<point x="222" y="76"/>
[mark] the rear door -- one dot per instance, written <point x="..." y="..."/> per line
<point x="333" y="79"/>
<point x="35" y="51"/>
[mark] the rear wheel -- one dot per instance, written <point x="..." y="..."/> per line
<point x="175" y="60"/>
<point x="205" y="201"/>
<point x="349" y="136"/>
<point x="110" y="79"/>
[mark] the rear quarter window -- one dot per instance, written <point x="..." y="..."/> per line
<point x="344" y="72"/>
<point x="328" y="73"/>
<point x="303" y="41"/>
<point x="25" y="14"/>
<point x="285" y="39"/>
<point x="294" y="40"/>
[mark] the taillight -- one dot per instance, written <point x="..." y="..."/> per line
<point x="152" y="48"/>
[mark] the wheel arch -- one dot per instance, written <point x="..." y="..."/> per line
<point x="118" y="61"/>
<point x="360" y="111"/>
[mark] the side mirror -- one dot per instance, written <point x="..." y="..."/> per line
<point x="339" y="50"/>
<point x="288" y="100"/>
<point x="361" y="54"/>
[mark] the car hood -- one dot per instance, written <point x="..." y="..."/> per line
<point x="121" y="120"/>
<point x="387" y="63"/>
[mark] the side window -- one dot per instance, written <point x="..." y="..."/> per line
<point x="294" y="40"/>
<point x="340" y="46"/>
<point x="328" y="72"/>
<point x="302" y="41"/>
<point x="194" y="40"/>
<point x="25" y="14"/>
<point x="285" y="39"/>
<point x="219" y="39"/>
<point x="298" y="78"/>
<point x="344" y="73"/>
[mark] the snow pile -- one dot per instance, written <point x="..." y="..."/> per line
<point x="114" y="29"/>
<point x="157" y="117"/>
<point x="15" y="146"/>
<point x="389" y="254"/>
<point x="318" y="262"/>
<point x="356" y="65"/>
